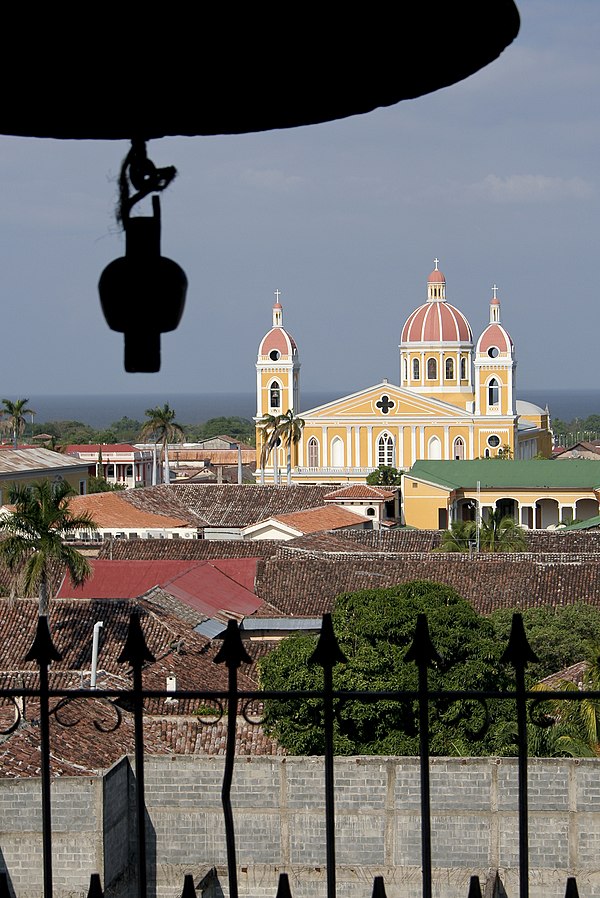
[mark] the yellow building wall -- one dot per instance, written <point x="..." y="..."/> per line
<point x="422" y="503"/>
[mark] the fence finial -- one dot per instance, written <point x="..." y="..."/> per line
<point x="95" y="889"/>
<point x="42" y="648"/>
<point x="189" y="890"/>
<point x="571" y="891"/>
<point x="327" y="652"/>
<point x="474" y="888"/>
<point x="378" y="888"/>
<point x="232" y="653"/>
<point x="135" y="649"/>
<point x="422" y="650"/>
<point x="518" y="652"/>
<point x="283" y="887"/>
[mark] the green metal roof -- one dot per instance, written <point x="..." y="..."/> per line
<point x="584" y="525"/>
<point x="492" y="473"/>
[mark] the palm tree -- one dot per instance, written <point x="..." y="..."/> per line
<point x="269" y="437"/>
<point x="290" y="428"/>
<point x="33" y="537"/>
<point x="16" y="412"/>
<point x="575" y="728"/>
<point x="500" y="533"/>
<point x="163" y="428"/>
<point x="459" y="537"/>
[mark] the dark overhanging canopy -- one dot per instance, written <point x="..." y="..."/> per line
<point x="204" y="69"/>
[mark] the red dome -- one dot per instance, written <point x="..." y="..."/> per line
<point x="278" y="339"/>
<point x="436" y="277"/>
<point x="495" y="335"/>
<point x="436" y="322"/>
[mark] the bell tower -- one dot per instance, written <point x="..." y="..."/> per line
<point x="277" y="369"/>
<point x="495" y="367"/>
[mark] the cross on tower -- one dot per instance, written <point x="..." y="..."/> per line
<point x="435" y="262"/>
<point x="277" y="295"/>
<point x="495" y="291"/>
<point x="385" y="404"/>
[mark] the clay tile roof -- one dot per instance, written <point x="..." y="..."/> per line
<point x="186" y="549"/>
<point x="107" y="448"/>
<point x="228" y="505"/>
<point x="361" y="491"/>
<point x="112" y="510"/>
<point x="314" y="520"/>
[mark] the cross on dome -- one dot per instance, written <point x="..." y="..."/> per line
<point x="277" y="294"/>
<point x="495" y="291"/>
<point x="436" y="263"/>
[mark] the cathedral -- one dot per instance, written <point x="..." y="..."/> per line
<point x="455" y="400"/>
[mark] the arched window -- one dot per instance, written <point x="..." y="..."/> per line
<point x="434" y="448"/>
<point x="337" y="453"/>
<point x="385" y="449"/>
<point x="458" y="451"/>
<point x="493" y="392"/>
<point x="449" y="369"/>
<point x="431" y="369"/>
<point x="463" y="369"/>
<point x="275" y="395"/>
<point x="313" y="453"/>
<point x="416" y="369"/>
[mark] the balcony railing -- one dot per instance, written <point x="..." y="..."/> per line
<point x="327" y="655"/>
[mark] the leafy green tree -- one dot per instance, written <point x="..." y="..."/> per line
<point x="34" y="533"/>
<point x="385" y="475"/>
<point x="15" y="412"/>
<point x="375" y="629"/>
<point x="559" y="636"/>
<point x="101" y="485"/>
<point x="162" y="428"/>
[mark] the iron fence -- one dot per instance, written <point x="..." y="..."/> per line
<point x="327" y="655"/>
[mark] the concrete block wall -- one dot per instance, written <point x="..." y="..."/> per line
<point x="278" y="811"/>
<point x="278" y="806"/>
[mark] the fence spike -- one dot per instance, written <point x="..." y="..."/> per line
<point x="474" y="888"/>
<point x="518" y="652"/>
<point x="571" y="891"/>
<point x="4" y="890"/>
<point x="95" y="889"/>
<point x="135" y="649"/>
<point x="327" y="652"/>
<point x="422" y="650"/>
<point x="42" y="648"/>
<point x="232" y="653"/>
<point x="378" y="888"/>
<point x="283" y="887"/>
<point x="189" y="890"/>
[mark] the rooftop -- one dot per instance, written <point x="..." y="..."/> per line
<point x="491" y="473"/>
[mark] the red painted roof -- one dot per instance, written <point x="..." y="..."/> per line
<point x="436" y="322"/>
<point x="207" y="586"/>
<point x="107" y="448"/>
<point x="279" y="339"/>
<point x="495" y="335"/>
<point x="436" y="277"/>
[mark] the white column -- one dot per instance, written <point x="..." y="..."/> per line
<point x="400" y="449"/>
<point x="357" y="459"/>
<point x="446" y="441"/>
<point x="348" y="446"/>
<point x="422" y="441"/>
<point x="325" y="449"/>
<point x="471" y="442"/>
<point x="301" y="451"/>
<point x="413" y="444"/>
<point x="259" y="409"/>
<point x="369" y="446"/>
<point x="422" y="369"/>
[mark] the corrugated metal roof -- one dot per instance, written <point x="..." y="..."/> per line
<point x="505" y="473"/>
<point x="21" y="461"/>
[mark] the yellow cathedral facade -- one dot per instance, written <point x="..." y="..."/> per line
<point x="455" y="400"/>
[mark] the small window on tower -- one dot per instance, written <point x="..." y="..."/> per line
<point x="431" y="369"/>
<point x="493" y="352"/>
<point x="463" y="369"/>
<point x="416" y="371"/>
<point x="275" y="395"/>
<point x="274" y="355"/>
<point x="449" y="369"/>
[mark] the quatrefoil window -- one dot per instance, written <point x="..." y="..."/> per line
<point x="385" y="404"/>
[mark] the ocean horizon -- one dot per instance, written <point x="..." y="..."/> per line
<point x="100" y="410"/>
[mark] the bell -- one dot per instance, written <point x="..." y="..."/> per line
<point x="142" y="294"/>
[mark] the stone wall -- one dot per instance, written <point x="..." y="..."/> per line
<point x="278" y="811"/>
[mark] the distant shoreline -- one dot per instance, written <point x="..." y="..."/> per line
<point x="101" y="410"/>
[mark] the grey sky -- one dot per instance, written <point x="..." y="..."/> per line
<point x="496" y="176"/>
